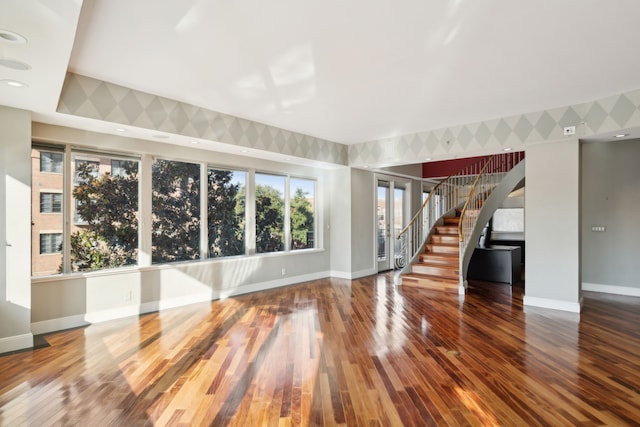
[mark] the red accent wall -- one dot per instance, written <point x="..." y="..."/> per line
<point x="444" y="168"/>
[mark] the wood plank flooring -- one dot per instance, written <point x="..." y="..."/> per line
<point x="337" y="352"/>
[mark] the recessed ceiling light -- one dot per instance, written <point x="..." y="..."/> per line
<point x="287" y="158"/>
<point x="428" y="158"/>
<point x="121" y="130"/>
<point x="507" y="149"/>
<point x="15" y="65"/>
<point x="13" y="83"/>
<point x="244" y="151"/>
<point x="195" y="142"/>
<point x="11" y="37"/>
<point x="621" y="135"/>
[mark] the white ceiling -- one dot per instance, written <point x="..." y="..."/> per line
<point x="347" y="71"/>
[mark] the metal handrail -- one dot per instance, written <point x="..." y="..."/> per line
<point x="471" y="194"/>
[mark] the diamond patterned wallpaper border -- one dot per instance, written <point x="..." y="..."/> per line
<point x="87" y="97"/>
<point x="92" y="98"/>
<point x="602" y="116"/>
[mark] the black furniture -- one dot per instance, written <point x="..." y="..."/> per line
<point x="496" y="263"/>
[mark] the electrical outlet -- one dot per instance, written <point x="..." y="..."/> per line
<point x="284" y="271"/>
<point x="569" y="130"/>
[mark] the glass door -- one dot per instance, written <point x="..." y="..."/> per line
<point x="391" y="218"/>
<point x="383" y="225"/>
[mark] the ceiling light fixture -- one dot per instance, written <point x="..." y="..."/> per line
<point x="13" y="83"/>
<point x="121" y="130"/>
<point x="621" y="135"/>
<point x="15" y="65"/>
<point x="11" y="37"/>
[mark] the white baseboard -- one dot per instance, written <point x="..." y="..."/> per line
<point x="573" y="307"/>
<point x="608" y="289"/>
<point x="150" y="307"/>
<point x="271" y="284"/>
<point x="112" y="314"/>
<point x="75" y="321"/>
<point x="363" y="273"/>
<point x="58" y="324"/>
<point x="340" y="274"/>
<point x="16" y="342"/>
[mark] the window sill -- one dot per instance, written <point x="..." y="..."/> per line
<point x="166" y="266"/>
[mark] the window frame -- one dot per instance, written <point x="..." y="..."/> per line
<point x="72" y="156"/>
<point x="315" y="211"/>
<point x="207" y="245"/>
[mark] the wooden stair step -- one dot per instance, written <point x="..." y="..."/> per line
<point x="445" y="238"/>
<point x="438" y="270"/>
<point x="447" y="229"/>
<point x="425" y="281"/>
<point x="451" y="220"/>
<point x="442" y="248"/>
<point x="441" y="258"/>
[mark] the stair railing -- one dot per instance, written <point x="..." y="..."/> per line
<point x="487" y="179"/>
<point x="447" y="195"/>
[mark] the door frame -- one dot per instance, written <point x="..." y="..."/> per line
<point x="393" y="183"/>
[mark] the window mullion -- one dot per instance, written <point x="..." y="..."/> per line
<point x="145" y="222"/>
<point x="250" y="213"/>
<point x="67" y="180"/>
<point x="204" y="212"/>
<point x="287" y="215"/>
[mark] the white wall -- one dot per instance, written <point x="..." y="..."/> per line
<point x="15" y="229"/>
<point x="611" y="198"/>
<point x="552" y="225"/>
<point x="340" y="222"/>
<point x="363" y="260"/>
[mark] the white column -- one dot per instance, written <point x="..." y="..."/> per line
<point x="552" y="225"/>
<point x="15" y="230"/>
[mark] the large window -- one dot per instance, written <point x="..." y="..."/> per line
<point x="176" y="211"/>
<point x="269" y="213"/>
<point x="226" y="201"/>
<point x="302" y="213"/>
<point x="89" y="220"/>
<point x="105" y="214"/>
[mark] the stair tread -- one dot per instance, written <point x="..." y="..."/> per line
<point x="422" y="276"/>
<point x="426" y="281"/>
<point x="436" y="265"/>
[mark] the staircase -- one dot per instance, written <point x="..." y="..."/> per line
<point x="438" y="267"/>
<point x="437" y="243"/>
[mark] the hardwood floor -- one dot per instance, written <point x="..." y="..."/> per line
<point x="337" y="352"/>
